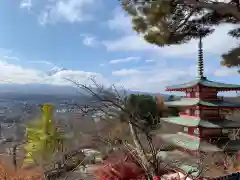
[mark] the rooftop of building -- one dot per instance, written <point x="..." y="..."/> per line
<point x="201" y="79"/>
<point x="204" y="82"/>
<point x="198" y="122"/>
<point x="205" y="166"/>
<point x="197" y="101"/>
<point x="193" y="143"/>
<point x="189" y="142"/>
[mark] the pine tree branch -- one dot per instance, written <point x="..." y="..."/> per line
<point x="220" y="7"/>
<point x="186" y="19"/>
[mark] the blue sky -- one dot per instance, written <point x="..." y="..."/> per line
<point x="93" y="38"/>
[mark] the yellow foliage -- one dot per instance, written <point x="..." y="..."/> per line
<point x="43" y="137"/>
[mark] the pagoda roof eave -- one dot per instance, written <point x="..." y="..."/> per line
<point x="181" y="160"/>
<point x="204" y="82"/>
<point x="197" y="122"/>
<point x="185" y="102"/>
<point x="189" y="142"/>
<point x="194" y="143"/>
<point x="185" y="163"/>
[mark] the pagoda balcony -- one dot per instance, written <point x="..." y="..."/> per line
<point x="221" y="98"/>
<point x="191" y="102"/>
<point x="214" y="98"/>
<point x="218" y="98"/>
<point x="186" y="114"/>
<point x="210" y="117"/>
<point x="183" y="114"/>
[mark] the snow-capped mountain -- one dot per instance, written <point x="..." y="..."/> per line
<point x="55" y="70"/>
<point x="47" y="89"/>
<point x="37" y="89"/>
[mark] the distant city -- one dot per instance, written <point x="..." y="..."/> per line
<point x="20" y="104"/>
<point x="16" y="109"/>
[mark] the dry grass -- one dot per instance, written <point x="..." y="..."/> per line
<point x="8" y="172"/>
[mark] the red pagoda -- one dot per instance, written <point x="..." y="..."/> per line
<point x="203" y="123"/>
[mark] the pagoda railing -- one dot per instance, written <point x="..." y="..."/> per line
<point x="220" y="97"/>
<point x="185" y="114"/>
<point x="182" y="113"/>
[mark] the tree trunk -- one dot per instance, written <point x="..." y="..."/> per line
<point x="14" y="158"/>
<point x="141" y="153"/>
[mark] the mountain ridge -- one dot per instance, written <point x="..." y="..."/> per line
<point x="47" y="89"/>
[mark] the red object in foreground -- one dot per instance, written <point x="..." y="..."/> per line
<point x="120" y="168"/>
<point x="120" y="171"/>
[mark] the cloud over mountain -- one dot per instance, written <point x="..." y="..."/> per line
<point x="80" y="39"/>
<point x="15" y="74"/>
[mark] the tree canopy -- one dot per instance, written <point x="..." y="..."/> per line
<point x="169" y="22"/>
<point x="149" y="109"/>
<point x="146" y="108"/>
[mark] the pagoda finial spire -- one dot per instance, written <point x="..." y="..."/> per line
<point x="200" y="58"/>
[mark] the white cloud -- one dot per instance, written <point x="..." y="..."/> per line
<point x="125" y="72"/>
<point x="149" y="60"/>
<point x="66" y="11"/>
<point x="128" y="43"/>
<point x="11" y="73"/>
<point x="120" y="22"/>
<point x="4" y="51"/>
<point x="14" y="58"/>
<point x="76" y="75"/>
<point x="89" y="40"/>
<point x="6" y="57"/>
<point x="155" y="80"/>
<point x="216" y="44"/>
<point x="136" y="79"/>
<point x="123" y="60"/>
<point x="41" y="62"/>
<point x="226" y="72"/>
<point x="151" y="79"/>
<point x="26" y="4"/>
